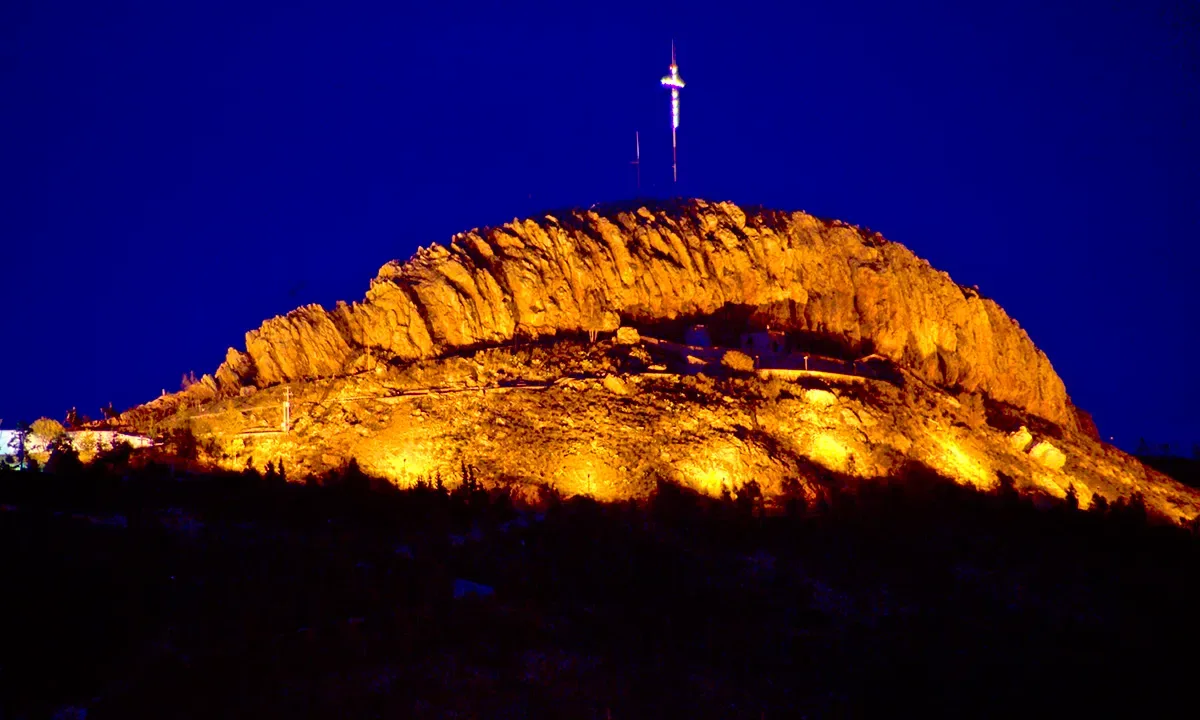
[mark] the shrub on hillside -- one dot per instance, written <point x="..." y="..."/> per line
<point x="181" y="443"/>
<point x="64" y="458"/>
<point x="737" y="361"/>
<point x="47" y="429"/>
<point x="974" y="408"/>
<point x="771" y="389"/>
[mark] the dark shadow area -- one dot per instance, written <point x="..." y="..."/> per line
<point x="1009" y="418"/>
<point x="730" y="324"/>
<point x="1185" y="470"/>
<point x="136" y="590"/>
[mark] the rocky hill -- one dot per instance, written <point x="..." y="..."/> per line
<point x="475" y="355"/>
<point x="594" y="270"/>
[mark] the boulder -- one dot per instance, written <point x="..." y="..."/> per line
<point x="615" y="385"/>
<point x="628" y="336"/>
<point x="1047" y="455"/>
<point x="823" y="398"/>
<point x="1020" y="439"/>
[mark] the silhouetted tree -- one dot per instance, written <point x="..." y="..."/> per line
<point x="181" y="443"/>
<point x="64" y="458"/>
<point x="353" y="478"/>
<point x="1072" y="498"/>
<point x="19" y="443"/>
<point x="822" y="505"/>
<point x="470" y="490"/>
<point x="1136" y="507"/>
<point x="1131" y="511"/>
<point x="794" y="502"/>
<point x="1006" y="489"/>
<point x="749" y="498"/>
<point x="115" y="459"/>
<point x="673" y="503"/>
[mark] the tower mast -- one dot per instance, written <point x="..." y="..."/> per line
<point x="674" y="82"/>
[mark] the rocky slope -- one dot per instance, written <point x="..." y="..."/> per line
<point x="470" y="356"/>
<point x="594" y="270"/>
<point x="604" y="420"/>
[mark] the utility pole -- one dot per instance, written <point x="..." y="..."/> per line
<point x="287" y="409"/>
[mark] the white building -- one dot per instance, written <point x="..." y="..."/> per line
<point x="84" y="441"/>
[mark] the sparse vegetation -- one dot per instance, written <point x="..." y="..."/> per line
<point x="974" y="408"/>
<point x="737" y="361"/>
<point x="699" y="387"/>
<point x="771" y="389"/>
<point x="47" y="430"/>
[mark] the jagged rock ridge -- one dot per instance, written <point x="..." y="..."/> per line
<point x="594" y="269"/>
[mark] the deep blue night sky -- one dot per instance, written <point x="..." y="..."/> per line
<point x="171" y="174"/>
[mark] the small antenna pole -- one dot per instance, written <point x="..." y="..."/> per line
<point x="637" y="159"/>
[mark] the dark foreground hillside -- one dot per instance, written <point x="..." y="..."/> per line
<point x="139" y="593"/>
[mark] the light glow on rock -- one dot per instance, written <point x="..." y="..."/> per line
<point x="716" y="469"/>
<point x="586" y="474"/>
<point x="828" y="450"/>
<point x="961" y="465"/>
<point x="406" y="465"/>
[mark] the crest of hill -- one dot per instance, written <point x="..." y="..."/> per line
<point x="646" y="264"/>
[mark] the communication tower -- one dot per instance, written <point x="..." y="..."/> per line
<point x="673" y="81"/>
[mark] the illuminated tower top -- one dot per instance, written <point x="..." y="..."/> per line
<point x="674" y="82"/>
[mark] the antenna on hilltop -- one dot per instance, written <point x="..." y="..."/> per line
<point x="674" y="82"/>
<point x="637" y="159"/>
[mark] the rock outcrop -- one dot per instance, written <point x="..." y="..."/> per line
<point x="597" y="269"/>
<point x="596" y="419"/>
<point x="966" y="396"/>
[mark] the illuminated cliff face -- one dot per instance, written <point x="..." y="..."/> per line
<point x="378" y="381"/>
<point x="585" y="420"/>
<point x="591" y="270"/>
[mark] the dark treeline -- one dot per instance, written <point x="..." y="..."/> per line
<point x="1184" y="469"/>
<point x="134" y="588"/>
